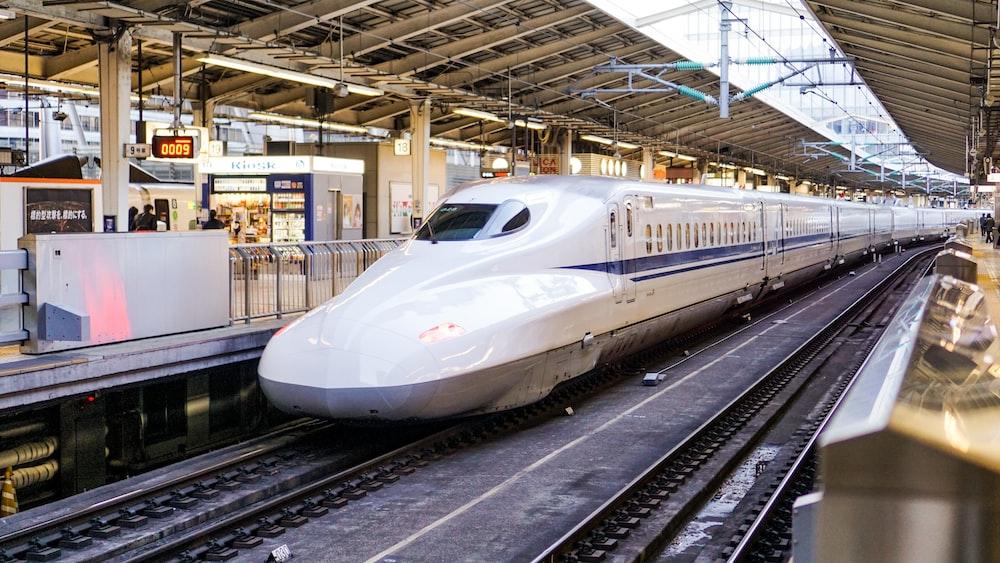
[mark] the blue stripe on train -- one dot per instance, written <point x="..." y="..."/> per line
<point x="734" y="253"/>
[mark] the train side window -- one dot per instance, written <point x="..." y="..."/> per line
<point x="614" y="231"/>
<point x="695" y="236"/>
<point x="732" y="233"/>
<point x="670" y="237"/>
<point x="711" y="234"/>
<point x="649" y="238"/>
<point x="628" y="219"/>
<point x="704" y="238"/>
<point x="659" y="238"/>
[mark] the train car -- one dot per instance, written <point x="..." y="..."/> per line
<point x="175" y="204"/>
<point x="514" y="286"/>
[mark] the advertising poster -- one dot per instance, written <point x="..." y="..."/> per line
<point x="352" y="212"/>
<point x="58" y="210"/>
<point x="401" y="209"/>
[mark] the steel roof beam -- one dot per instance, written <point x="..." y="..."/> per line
<point x="521" y="58"/>
<point x="282" y="22"/>
<point x="13" y="31"/>
<point x="420" y="61"/>
<point x="370" y="40"/>
<point x="954" y="47"/>
<point x="925" y="24"/>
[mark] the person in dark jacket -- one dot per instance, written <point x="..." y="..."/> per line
<point x="988" y="227"/>
<point x="982" y="225"/>
<point x="213" y="222"/>
<point x="145" y="221"/>
<point x="132" y="212"/>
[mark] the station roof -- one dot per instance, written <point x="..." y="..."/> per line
<point x="518" y="57"/>
<point x="924" y="59"/>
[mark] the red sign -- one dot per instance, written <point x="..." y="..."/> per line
<point x="548" y="164"/>
<point x="173" y="146"/>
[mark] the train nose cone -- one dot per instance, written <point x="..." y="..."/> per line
<point x="347" y="369"/>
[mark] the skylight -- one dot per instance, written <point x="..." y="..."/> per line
<point x="829" y="98"/>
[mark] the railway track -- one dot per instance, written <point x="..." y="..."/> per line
<point x="211" y="532"/>
<point x="131" y="515"/>
<point x="649" y="512"/>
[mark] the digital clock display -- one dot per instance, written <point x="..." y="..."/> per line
<point x="173" y="146"/>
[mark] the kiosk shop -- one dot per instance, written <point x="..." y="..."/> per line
<point x="285" y="198"/>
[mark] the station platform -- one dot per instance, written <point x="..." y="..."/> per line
<point x="988" y="275"/>
<point x="29" y="381"/>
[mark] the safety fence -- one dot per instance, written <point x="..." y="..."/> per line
<point x="12" y="297"/>
<point x="270" y="280"/>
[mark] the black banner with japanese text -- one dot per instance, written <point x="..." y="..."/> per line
<point x="58" y="210"/>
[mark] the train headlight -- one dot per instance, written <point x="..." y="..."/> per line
<point x="443" y="331"/>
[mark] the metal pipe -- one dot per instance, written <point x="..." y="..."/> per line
<point x="27" y="114"/>
<point x="26" y="453"/>
<point x="724" y="27"/>
<point x="26" y="476"/>
<point x="140" y="126"/>
<point x="178" y="69"/>
<point x="11" y="432"/>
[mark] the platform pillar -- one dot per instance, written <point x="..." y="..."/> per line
<point x="566" y="153"/>
<point x="115" y="81"/>
<point x="420" y="123"/>
<point x="648" y="162"/>
<point x="203" y="117"/>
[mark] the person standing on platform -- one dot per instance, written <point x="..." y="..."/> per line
<point x="982" y="225"/>
<point x="213" y="221"/>
<point x="145" y="221"/>
<point x="988" y="227"/>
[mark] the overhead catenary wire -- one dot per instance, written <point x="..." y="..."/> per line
<point x="500" y="76"/>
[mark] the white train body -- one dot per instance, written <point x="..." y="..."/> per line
<point x="601" y="268"/>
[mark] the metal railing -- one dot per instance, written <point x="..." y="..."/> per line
<point x="270" y="280"/>
<point x="12" y="297"/>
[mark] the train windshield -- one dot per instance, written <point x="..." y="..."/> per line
<point x="469" y="221"/>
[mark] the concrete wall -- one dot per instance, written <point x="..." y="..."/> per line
<point x="392" y="168"/>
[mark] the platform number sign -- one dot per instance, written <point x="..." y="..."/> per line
<point x="137" y="150"/>
<point x="173" y="146"/>
<point x="280" y="554"/>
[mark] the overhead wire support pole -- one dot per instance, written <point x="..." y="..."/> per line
<point x="178" y="70"/>
<point x="725" y="24"/>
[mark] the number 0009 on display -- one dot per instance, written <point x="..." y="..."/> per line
<point x="173" y="147"/>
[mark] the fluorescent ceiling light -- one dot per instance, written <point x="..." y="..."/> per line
<point x="726" y="166"/>
<point x="290" y="75"/>
<point x="782" y="177"/>
<point x="7" y="14"/>
<point x="624" y="145"/>
<point x="756" y="171"/>
<point x="452" y="143"/>
<point x="455" y="144"/>
<point x="530" y="124"/>
<point x="678" y="156"/>
<point x="303" y="122"/>
<point x="478" y="114"/>
<point x="363" y="90"/>
<point x="596" y="139"/>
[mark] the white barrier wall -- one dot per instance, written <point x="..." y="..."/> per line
<point x="98" y="288"/>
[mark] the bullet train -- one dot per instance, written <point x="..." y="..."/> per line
<point x="513" y="286"/>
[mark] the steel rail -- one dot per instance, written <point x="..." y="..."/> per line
<point x="792" y="472"/>
<point x="565" y="544"/>
<point x="274" y="503"/>
<point x="110" y="506"/>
